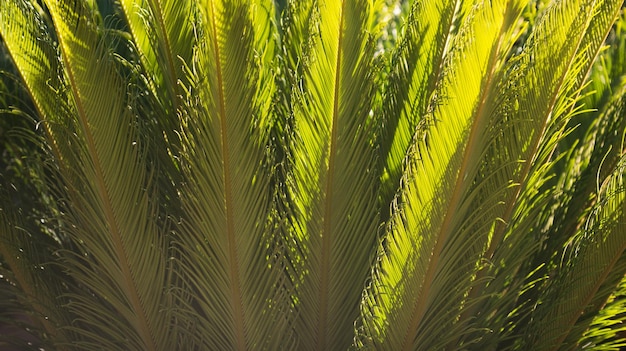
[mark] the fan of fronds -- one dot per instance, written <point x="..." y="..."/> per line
<point x="323" y="175"/>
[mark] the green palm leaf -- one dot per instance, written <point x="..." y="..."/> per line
<point x="593" y="268"/>
<point x="607" y="330"/>
<point x="416" y="69"/>
<point x="218" y="174"/>
<point x="26" y="31"/>
<point x="163" y="32"/>
<point x="111" y="212"/>
<point x="334" y="174"/>
<point x="417" y="276"/>
<point x="528" y="200"/>
<point x="224" y="235"/>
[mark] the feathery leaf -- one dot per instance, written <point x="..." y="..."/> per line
<point x="427" y="252"/>
<point x="333" y="165"/>
<point x="224" y="235"/>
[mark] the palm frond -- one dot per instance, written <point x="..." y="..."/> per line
<point x="164" y="34"/>
<point x="112" y="216"/>
<point x="607" y="331"/>
<point x="34" y="280"/>
<point x="416" y="68"/>
<point x="27" y="33"/>
<point x="225" y="234"/>
<point x="551" y="101"/>
<point x="537" y="118"/>
<point x="217" y="174"/>
<point x="590" y="269"/>
<point x="598" y="158"/>
<point x="431" y="246"/>
<point x="552" y="109"/>
<point x="333" y="180"/>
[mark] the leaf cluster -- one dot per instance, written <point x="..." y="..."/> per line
<point x="316" y="174"/>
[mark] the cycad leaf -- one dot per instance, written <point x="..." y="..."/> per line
<point x="602" y="149"/>
<point x="590" y="265"/>
<point x="417" y="65"/>
<point x="224" y="235"/>
<point x="607" y="331"/>
<point x="164" y="35"/>
<point x="27" y="255"/>
<point x="548" y="82"/>
<point x="295" y="37"/>
<point x="112" y="216"/>
<point x="26" y="34"/>
<point x="334" y="174"/>
<point x="425" y="259"/>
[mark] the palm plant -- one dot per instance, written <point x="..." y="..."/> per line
<point x="225" y="174"/>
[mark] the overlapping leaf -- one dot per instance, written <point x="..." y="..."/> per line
<point x="333" y="185"/>
<point x="211" y="195"/>
<point x="224" y="234"/>
<point x="432" y="245"/>
<point x="112" y="216"/>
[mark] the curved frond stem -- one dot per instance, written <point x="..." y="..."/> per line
<point x="328" y="207"/>
<point x="226" y="201"/>
<point x="551" y="116"/>
<point x="233" y="270"/>
<point x="593" y="260"/>
<point x="38" y="66"/>
<point x="537" y="140"/>
<point x="129" y="282"/>
<point x="332" y="172"/>
<point x="84" y="54"/>
<point x="473" y="146"/>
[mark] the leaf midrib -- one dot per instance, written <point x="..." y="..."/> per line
<point x="116" y="235"/>
<point x="233" y="269"/>
<point x="419" y="307"/>
<point x="328" y="208"/>
<point x="502" y="225"/>
<point x="605" y="273"/>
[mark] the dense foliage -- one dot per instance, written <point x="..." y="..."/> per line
<point x="315" y="174"/>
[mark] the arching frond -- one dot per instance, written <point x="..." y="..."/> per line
<point x="540" y="120"/>
<point x="528" y="129"/>
<point x="224" y="238"/>
<point x="592" y="267"/>
<point x="218" y="174"/>
<point x="112" y="215"/>
<point x="164" y="34"/>
<point x="334" y="174"/>
<point x="416" y="69"/>
<point x="429" y="251"/>
<point x="27" y="34"/>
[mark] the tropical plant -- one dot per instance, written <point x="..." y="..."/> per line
<point x="315" y="174"/>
